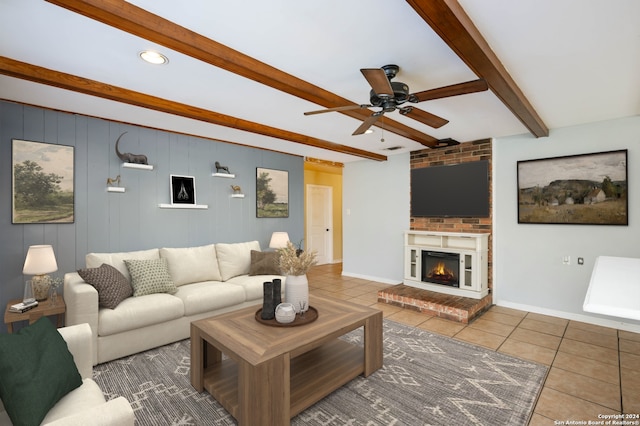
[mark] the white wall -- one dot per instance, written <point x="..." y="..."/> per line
<point x="376" y="210"/>
<point x="527" y="258"/>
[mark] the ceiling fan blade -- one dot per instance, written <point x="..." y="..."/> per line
<point x="342" y="108"/>
<point x="378" y="81"/>
<point x="368" y="123"/>
<point x="453" y="90"/>
<point x="423" y="117"/>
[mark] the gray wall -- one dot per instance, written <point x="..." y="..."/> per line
<point x="527" y="260"/>
<point x="111" y="222"/>
<point x="376" y="212"/>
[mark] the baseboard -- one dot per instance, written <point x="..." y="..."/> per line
<point x="371" y="278"/>
<point x="620" y="325"/>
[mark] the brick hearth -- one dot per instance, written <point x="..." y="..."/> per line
<point x="454" y="308"/>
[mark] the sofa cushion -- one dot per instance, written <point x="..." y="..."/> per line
<point x="235" y="259"/>
<point x="138" y="312"/>
<point x="150" y="276"/>
<point x="88" y="395"/>
<point x="94" y="260"/>
<point x="192" y="264"/>
<point x="111" y="285"/>
<point x="208" y="296"/>
<point x="264" y="263"/>
<point x="36" y="370"/>
<point x="253" y="285"/>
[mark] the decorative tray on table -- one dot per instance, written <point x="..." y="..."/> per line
<point x="310" y="316"/>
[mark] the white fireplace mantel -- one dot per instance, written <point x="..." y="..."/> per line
<point x="474" y="263"/>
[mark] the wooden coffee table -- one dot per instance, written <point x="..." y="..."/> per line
<point x="273" y="373"/>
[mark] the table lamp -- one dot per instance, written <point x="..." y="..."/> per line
<point x="279" y="240"/>
<point x="40" y="261"/>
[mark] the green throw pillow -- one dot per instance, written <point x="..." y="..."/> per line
<point x="36" y="370"/>
<point x="150" y="276"/>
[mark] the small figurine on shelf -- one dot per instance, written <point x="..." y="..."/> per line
<point x="113" y="181"/>
<point x="236" y="189"/>
<point x="222" y="169"/>
<point x="128" y="157"/>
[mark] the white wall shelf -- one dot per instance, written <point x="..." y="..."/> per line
<point x="184" y="206"/>
<point x="237" y="195"/>
<point x="472" y="249"/>
<point x="223" y="175"/>
<point x="115" y="189"/>
<point x="137" y="166"/>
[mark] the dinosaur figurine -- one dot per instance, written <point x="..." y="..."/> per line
<point x="128" y="157"/>
<point x="221" y="168"/>
<point x="236" y="189"/>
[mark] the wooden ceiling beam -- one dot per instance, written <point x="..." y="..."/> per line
<point x="449" y="20"/>
<point x="134" y="20"/>
<point x="85" y="86"/>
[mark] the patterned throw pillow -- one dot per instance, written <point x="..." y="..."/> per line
<point x="150" y="276"/>
<point x="264" y="263"/>
<point x="112" y="286"/>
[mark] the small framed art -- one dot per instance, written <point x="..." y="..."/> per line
<point x="183" y="189"/>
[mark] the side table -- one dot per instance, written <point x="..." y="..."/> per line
<point x="44" y="309"/>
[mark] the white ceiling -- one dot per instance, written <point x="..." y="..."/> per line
<point x="576" y="61"/>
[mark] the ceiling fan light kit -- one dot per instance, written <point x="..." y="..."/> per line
<point x="390" y="95"/>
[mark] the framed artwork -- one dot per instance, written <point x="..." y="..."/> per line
<point x="586" y="189"/>
<point x="183" y="189"/>
<point x="272" y="193"/>
<point x="42" y="182"/>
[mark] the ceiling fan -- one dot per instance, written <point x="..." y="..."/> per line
<point x="390" y="95"/>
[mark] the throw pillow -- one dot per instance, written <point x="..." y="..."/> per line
<point x="36" y="370"/>
<point x="264" y="263"/>
<point x="112" y="286"/>
<point x="150" y="276"/>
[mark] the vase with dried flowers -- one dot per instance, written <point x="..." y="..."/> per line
<point x="294" y="267"/>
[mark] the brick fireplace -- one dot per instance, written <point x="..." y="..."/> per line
<point x="451" y="306"/>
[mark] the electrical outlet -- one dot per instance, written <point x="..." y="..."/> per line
<point x="566" y="260"/>
<point x="581" y="261"/>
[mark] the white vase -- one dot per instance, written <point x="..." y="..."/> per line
<point x="296" y="292"/>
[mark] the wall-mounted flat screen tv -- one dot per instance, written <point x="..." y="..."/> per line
<point x="457" y="190"/>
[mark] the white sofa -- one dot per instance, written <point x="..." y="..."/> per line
<point x="210" y="280"/>
<point x="86" y="404"/>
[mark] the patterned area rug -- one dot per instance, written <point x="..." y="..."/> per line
<point x="427" y="379"/>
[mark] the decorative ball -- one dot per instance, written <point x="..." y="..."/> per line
<point x="285" y="313"/>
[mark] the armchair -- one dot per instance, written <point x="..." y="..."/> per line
<point x="86" y="404"/>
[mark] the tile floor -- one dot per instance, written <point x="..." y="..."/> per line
<point x="593" y="371"/>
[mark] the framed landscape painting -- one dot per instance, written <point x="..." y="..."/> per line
<point x="272" y="193"/>
<point x="586" y="189"/>
<point x="42" y="182"/>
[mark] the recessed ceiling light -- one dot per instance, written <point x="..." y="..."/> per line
<point x="153" y="57"/>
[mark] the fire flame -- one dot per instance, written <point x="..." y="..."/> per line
<point x="441" y="271"/>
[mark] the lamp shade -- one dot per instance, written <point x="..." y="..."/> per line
<point x="279" y="240"/>
<point x="40" y="260"/>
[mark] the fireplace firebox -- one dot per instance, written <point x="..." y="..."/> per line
<point x="463" y="274"/>
<point x="441" y="268"/>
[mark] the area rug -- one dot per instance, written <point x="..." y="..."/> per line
<point x="427" y="379"/>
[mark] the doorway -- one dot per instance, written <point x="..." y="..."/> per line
<point x="319" y="211"/>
